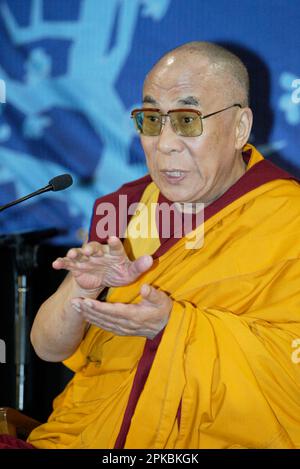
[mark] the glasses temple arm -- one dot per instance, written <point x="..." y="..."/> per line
<point x="221" y="110"/>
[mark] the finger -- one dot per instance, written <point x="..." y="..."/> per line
<point x="111" y="328"/>
<point x="73" y="253"/>
<point x="140" y="265"/>
<point x="115" y="246"/>
<point x="62" y="263"/>
<point x="91" y="316"/>
<point x="120" y="327"/>
<point x="58" y="263"/>
<point x="106" y="321"/>
<point x="151" y="294"/>
<point x="83" y="254"/>
<point x="92" y="248"/>
<point x="116" y="310"/>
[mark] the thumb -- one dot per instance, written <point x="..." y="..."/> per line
<point x="151" y="294"/>
<point x="140" y="265"/>
<point x="116" y="247"/>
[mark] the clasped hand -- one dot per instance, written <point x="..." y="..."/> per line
<point x="95" y="266"/>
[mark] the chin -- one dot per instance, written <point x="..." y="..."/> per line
<point x="174" y="196"/>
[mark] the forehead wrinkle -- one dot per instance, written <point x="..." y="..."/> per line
<point x="184" y="101"/>
<point x="179" y="88"/>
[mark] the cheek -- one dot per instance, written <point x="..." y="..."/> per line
<point x="146" y="146"/>
<point x="149" y="151"/>
<point x="207" y="157"/>
<point x="201" y="155"/>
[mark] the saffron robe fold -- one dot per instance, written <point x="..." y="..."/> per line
<point x="227" y="357"/>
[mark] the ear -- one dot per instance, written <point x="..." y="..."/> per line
<point x="243" y="127"/>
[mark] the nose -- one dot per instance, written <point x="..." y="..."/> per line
<point x="168" y="140"/>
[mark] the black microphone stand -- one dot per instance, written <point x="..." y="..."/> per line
<point x="25" y="247"/>
<point x="26" y="197"/>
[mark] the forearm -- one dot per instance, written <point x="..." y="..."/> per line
<point x="58" y="328"/>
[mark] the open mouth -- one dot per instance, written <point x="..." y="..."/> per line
<point x="174" y="175"/>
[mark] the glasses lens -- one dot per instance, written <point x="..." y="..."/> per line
<point x="148" y="122"/>
<point x="186" y="123"/>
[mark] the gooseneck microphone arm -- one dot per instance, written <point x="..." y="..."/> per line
<point x="58" y="183"/>
<point x="14" y="202"/>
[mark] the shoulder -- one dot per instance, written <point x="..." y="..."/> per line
<point x="283" y="194"/>
<point x="275" y="212"/>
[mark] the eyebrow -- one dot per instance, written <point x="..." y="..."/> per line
<point x="148" y="99"/>
<point x="192" y="100"/>
<point x="189" y="100"/>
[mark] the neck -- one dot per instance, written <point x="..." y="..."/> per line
<point x="194" y="207"/>
<point x="240" y="170"/>
<point x="189" y="207"/>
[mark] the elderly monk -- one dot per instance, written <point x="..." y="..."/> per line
<point x="175" y="347"/>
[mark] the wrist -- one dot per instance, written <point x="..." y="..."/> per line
<point x="91" y="293"/>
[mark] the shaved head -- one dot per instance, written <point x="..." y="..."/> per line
<point x="207" y="78"/>
<point x="223" y="66"/>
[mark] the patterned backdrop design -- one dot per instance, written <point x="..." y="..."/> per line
<point x="71" y="71"/>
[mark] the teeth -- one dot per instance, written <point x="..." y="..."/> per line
<point x="174" y="173"/>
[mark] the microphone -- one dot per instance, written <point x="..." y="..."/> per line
<point x="58" y="183"/>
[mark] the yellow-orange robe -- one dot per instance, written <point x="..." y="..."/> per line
<point x="229" y="356"/>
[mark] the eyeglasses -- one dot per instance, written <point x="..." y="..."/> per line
<point x="185" y="122"/>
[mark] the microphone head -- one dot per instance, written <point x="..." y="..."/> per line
<point x="61" y="182"/>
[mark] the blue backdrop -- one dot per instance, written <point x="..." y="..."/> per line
<point x="71" y="71"/>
